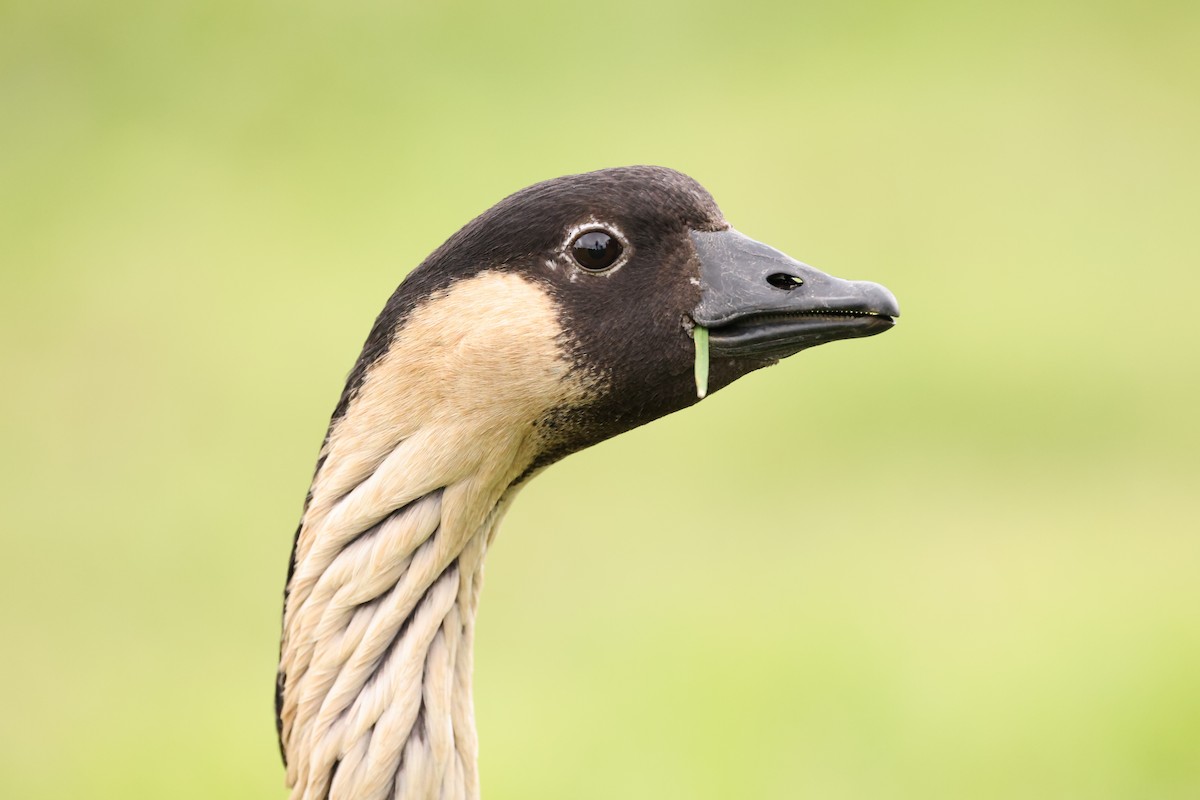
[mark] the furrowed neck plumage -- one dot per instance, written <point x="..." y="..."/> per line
<point x="375" y="667"/>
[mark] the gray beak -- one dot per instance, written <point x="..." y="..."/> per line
<point x="756" y="301"/>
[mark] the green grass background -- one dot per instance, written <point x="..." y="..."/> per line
<point x="961" y="560"/>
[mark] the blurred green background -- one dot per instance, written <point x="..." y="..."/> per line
<point x="958" y="560"/>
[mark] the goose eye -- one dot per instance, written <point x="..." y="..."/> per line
<point x="595" y="250"/>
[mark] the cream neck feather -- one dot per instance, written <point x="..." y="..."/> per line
<point x="379" y="619"/>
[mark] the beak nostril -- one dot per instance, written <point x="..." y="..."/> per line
<point x="782" y="280"/>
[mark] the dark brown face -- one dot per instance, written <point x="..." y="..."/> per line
<point x="634" y="259"/>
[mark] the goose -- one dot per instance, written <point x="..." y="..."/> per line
<point x="571" y="311"/>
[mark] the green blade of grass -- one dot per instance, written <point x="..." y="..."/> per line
<point x="700" y="334"/>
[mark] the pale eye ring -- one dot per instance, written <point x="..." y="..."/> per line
<point x="596" y="250"/>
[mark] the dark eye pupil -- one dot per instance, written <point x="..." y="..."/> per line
<point x="595" y="250"/>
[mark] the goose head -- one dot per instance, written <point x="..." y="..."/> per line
<point x="627" y="264"/>
<point x="569" y="312"/>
